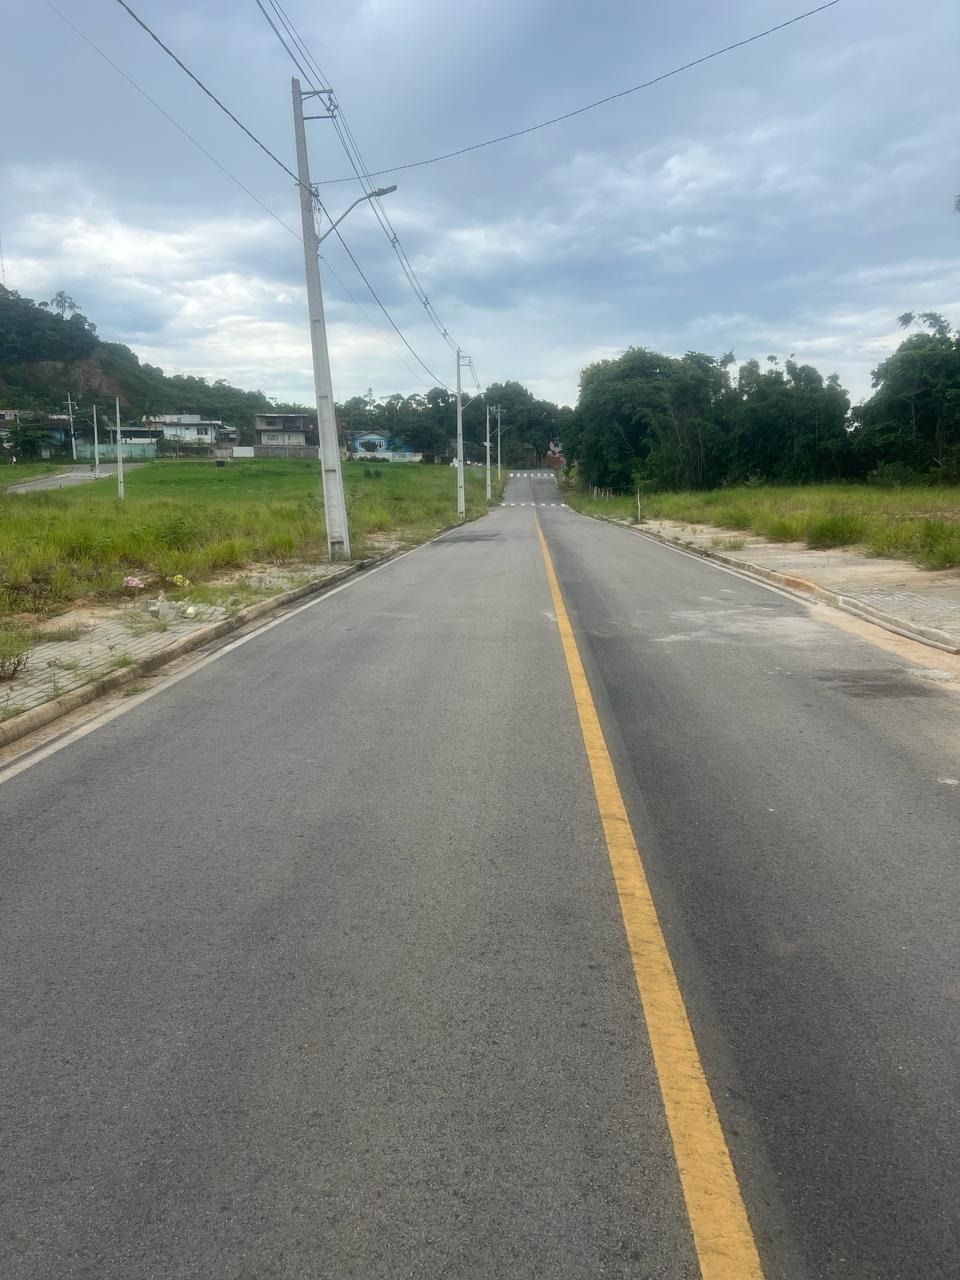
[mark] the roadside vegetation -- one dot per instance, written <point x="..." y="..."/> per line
<point x="661" y="422"/>
<point x="917" y="523"/>
<point x="195" y="520"/>
<point x="23" y="471"/>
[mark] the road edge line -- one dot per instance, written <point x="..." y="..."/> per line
<point x="799" y="588"/>
<point x="336" y="583"/>
<point x="722" y="1234"/>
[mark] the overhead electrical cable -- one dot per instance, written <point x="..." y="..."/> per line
<point x="263" y="147"/>
<point x="376" y="299"/>
<point x="319" y="83"/>
<point x="176" y="124"/>
<point x="209" y="92"/>
<point x="590" y="106"/>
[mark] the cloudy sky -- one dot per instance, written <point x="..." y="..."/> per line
<point x="793" y="196"/>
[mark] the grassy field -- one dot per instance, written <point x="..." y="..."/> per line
<point x="29" y="471"/>
<point x="918" y="524"/>
<point x="195" y="519"/>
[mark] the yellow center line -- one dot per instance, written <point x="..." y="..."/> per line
<point x="718" y="1217"/>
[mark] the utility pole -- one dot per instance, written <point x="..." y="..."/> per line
<point x="489" y="488"/>
<point x="120" y="494"/>
<point x="461" y="491"/>
<point x="334" y="503"/>
<point x="73" y="436"/>
<point x="96" y="445"/>
<point x="498" y="442"/>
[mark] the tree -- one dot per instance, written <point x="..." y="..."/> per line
<point x="912" y="421"/>
<point x="62" y="303"/>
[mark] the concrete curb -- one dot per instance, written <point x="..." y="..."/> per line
<point x="804" y="589"/>
<point x="38" y="717"/>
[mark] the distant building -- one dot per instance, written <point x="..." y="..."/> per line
<point x="9" y="418"/>
<point x="286" y="430"/>
<point x="189" y="428"/>
<point x="371" y="444"/>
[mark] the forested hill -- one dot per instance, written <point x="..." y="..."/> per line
<point x="50" y="348"/>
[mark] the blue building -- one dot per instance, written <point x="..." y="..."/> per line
<point x="380" y="448"/>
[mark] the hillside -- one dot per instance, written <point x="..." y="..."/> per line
<point x="50" y="348"/>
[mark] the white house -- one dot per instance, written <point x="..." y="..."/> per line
<point x="371" y="444"/>
<point x="190" y="428"/>
<point x="282" y="429"/>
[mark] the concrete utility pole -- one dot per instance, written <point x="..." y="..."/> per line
<point x="120" y="492"/>
<point x="461" y="490"/>
<point x="96" y="446"/>
<point x="334" y="503"/>
<point x="498" y="442"/>
<point x="73" y="436"/>
<point x="489" y="487"/>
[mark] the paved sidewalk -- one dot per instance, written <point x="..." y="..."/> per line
<point x="922" y="602"/>
<point x="108" y="638"/>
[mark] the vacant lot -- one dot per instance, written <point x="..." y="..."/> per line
<point x="195" y="519"/>
<point x="29" y="471"/>
<point x="918" y="524"/>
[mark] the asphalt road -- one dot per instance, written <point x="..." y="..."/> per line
<point x="313" y="965"/>
<point x="72" y="476"/>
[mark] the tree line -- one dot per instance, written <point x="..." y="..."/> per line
<point x="428" y="423"/>
<point x="48" y="349"/>
<point x="643" y="419"/>
<point x="652" y="421"/>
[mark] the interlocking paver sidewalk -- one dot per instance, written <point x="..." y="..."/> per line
<point x="108" y="638"/>
<point x="918" y="599"/>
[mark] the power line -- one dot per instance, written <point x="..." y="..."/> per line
<point x="376" y="298"/>
<point x="369" y="319"/>
<point x="319" y="83"/>
<point x="263" y="147"/>
<point x="590" y="106"/>
<point x="209" y="92"/>
<point x="176" y="124"/>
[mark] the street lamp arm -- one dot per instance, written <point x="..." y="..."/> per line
<point x="371" y="195"/>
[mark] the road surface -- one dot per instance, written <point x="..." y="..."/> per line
<point x="314" y="964"/>
<point x="72" y="476"/>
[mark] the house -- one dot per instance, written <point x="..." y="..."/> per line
<point x="380" y="448"/>
<point x="9" y="418"/>
<point x="190" y="428"/>
<point x="369" y="442"/>
<point x="283" y="429"/>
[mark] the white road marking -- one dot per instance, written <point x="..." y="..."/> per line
<point x="129" y="703"/>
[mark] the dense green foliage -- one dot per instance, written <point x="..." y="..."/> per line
<point x="660" y="422"/>
<point x="428" y="423"/>
<point x="50" y="348"/>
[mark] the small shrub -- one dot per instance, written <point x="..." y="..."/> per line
<point x="841" y="530"/>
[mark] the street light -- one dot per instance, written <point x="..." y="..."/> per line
<point x="371" y="195"/>
<point x="334" y="502"/>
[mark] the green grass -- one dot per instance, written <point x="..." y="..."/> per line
<point x="917" y="524"/>
<point x="195" y="519"/>
<point x="30" y="471"/>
